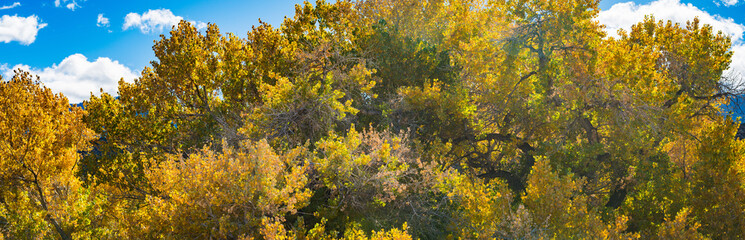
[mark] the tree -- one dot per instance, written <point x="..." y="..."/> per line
<point x="40" y="136"/>
<point x="392" y="119"/>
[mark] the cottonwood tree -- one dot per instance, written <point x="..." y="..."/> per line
<point x="40" y="136"/>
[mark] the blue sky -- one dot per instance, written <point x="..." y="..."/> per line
<point x="75" y="31"/>
<point x="75" y="51"/>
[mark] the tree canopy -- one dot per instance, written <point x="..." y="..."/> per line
<point x="391" y="119"/>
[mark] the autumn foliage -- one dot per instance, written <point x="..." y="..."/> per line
<point x="390" y="119"/>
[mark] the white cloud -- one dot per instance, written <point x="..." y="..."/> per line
<point x="20" y="29"/>
<point x="728" y="3"/>
<point x="199" y="25"/>
<point x="623" y="15"/>
<point x="72" y="5"/>
<point x="737" y="67"/>
<point x="15" y="4"/>
<point x="77" y="78"/>
<point x="155" y="21"/>
<point x="102" y="21"/>
<point x="151" y="21"/>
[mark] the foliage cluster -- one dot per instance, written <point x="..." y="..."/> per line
<point x="390" y="119"/>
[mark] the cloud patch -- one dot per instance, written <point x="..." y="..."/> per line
<point x="69" y="4"/>
<point x="102" y="21"/>
<point x="15" y="4"/>
<point x="737" y="67"/>
<point x="729" y="3"/>
<point x="77" y="78"/>
<point x="155" y="21"/>
<point x="623" y="15"/>
<point x="20" y="29"/>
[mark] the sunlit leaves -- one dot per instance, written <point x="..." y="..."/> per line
<point x="390" y="119"/>
<point x="40" y="134"/>
<point x="222" y="195"/>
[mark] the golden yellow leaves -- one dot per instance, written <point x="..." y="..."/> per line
<point x="224" y="195"/>
<point x="41" y="132"/>
<point x="487" y="89"/>
<point x="40" y="136"/>
<point x="680" y="228"/>
<point x="481" y="209"/>
<point x="555" y="202"/>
